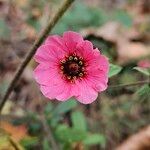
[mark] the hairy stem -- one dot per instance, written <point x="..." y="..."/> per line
<point x="129" y="84"/>
<point x="33" y="49"/>
<point x="48" y="133"/>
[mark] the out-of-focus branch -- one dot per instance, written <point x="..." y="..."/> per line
<point x="33" y="49"/>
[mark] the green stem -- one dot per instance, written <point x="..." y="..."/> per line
<point x="129" y="84"/>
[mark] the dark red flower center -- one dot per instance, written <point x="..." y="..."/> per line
<point x="73" y="67"/>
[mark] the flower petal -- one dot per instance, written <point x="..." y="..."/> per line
<point x="49" y="91"/>
<point x="57" y="41"/>
<point x="48" y="53"/>
<point x="85" y="49"/>
<point x="98" y="79"/>
<point x="60" y="91"/>
<point x="98" y="61"/>
<point x="66" y="94"/>
<point x="45" y="74"/>
<point x="87" y="94"/>
<point x="71" y="39"/>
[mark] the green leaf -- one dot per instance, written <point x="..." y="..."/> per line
<point x="95" y="139"/>
<point x="79" y="121"/>
<point x="142" y="70"/>
<point x="71" y="19"/>
<point x="123" y="17"/>
<point x="28" y="142"/>
<point x="34" y="127"/>
<point x="53" y="121"/>
<point x="64" y="107"/>
<point x="144" y="92"/>
<point x="60" y="109"/>
<point x="48" y="108"/>
<point x="46" y="145"/>
<point x="114" y="69"/>
<point x="66" y="134"/>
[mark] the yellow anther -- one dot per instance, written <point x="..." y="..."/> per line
<point x="80" y="74"/>
<point x="80" y="63"/>
<point x="70" y="57"/>
<point x="75" y="58"/>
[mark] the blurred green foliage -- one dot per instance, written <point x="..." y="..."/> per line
<point x="4" y="29"/>
<point x="80" y="16"/>
<point x="77" y="132"/>
<point x="114" y="70"/>
<point x="123" y="17"/>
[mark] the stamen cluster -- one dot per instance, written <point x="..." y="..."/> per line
<point x="72" y="67"/>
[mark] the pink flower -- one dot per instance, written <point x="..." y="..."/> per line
<point x="144" y="63"/>
<point x="70" y="67"/>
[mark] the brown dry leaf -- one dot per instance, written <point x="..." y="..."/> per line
<point x="110" y="31"/>
<point x="17" y="132"/>
<point x="122" y="38"/>
<point x="7" y="143"/>
<point x="21" y="3"/>
<point x="28" y="31"/>
<point x="128" y="51"/>
<point x="139" y="141"/>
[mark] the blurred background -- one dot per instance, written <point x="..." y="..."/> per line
<point x="121" y="30"/>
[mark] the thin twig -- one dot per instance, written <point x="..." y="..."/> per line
<point x="33" y="49"/>
<point x="129" y="84"/>
<point x="46" y="127"/>
<point x="48" y="132"/>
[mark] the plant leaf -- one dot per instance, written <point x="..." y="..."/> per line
<point x="144" y="92"/>
<point x="95" y="139"/>
<point x="28" y="142"/>
<point x="79" y="121"/>
<point x="114" y="69"/>
<point x="65" y="107"/>
<point x="66" y="134"/>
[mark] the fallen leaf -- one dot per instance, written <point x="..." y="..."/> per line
<point x="7" y="143"/>
<point x="139" y="141"/>
<point x="128" y="51"/>
<point x="17" y="132"/>
<point x="110" y="31"/>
